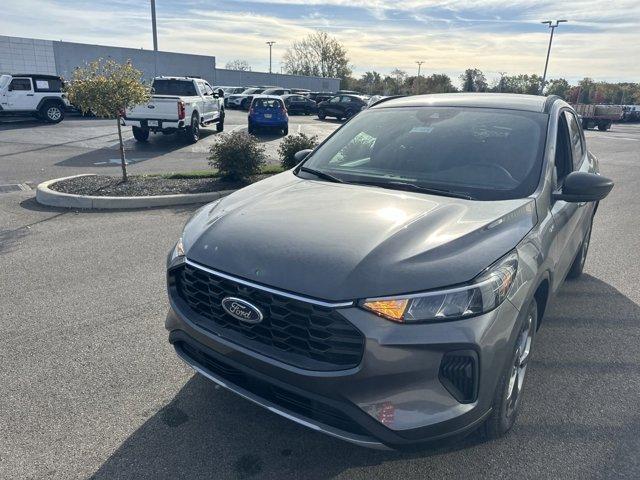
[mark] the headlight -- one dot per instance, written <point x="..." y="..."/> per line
<point x="176" y="256"/>
<point x="485" y="293"/>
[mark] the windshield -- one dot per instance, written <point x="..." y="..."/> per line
<point x="183" y="88"/>
<point x="485" y="154"/>
<point x="267" y="103"/>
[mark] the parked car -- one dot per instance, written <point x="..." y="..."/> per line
<point x="301" y="91"/>
<point x="229" y="91"/>
<point x="320" y="96"/>
<point x="347" y="92"/>
<point x="178" y="104"/>
<point x="341" y="106"/>
<point x="279" y="91"/>
<point x="268" y="112"/>
<point x="243" y="100"/>
<point x="296" y="103"/>
<point x="35" y="95"/>
<point x="600" y="116"/>
<point x="411" y="258"/>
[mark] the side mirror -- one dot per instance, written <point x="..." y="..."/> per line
<point x="215" y="95"/>
<point x="10" y="88"/>
<point x="220" y="93"/>
<point x="302" y="154"/>
<point x="583" y="187"/>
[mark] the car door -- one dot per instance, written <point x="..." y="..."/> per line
<point x="20" y="94"/>
<point x="207" y="106"/>
<point x="333" y="107"/>
<point x="569" y="218"/>
<point x="215" y="102"/>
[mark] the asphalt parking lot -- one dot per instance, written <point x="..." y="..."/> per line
<point x="92" y="389"/>
<point x="31" y="152"/>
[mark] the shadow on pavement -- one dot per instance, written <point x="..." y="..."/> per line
<point x="206" y="432"/>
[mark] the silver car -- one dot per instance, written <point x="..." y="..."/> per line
<point x="388" y="290"/>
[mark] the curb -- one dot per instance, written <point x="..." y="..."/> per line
<point x="53" y="198"/>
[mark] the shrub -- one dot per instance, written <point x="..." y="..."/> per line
<point x="237" y="155"/>
<point x="293" y="144"/>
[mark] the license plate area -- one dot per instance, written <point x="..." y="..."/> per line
<point x="153" y="123"/>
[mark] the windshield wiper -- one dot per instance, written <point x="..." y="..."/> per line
<point x="412" y="187"/>
<point x="319" y="174"/>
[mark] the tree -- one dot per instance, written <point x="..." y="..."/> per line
<point x="473" y="80"/>
<point x="558" y="86"/>
<point x="241" y="65"/>
<point x="107" y="89"/>
<point x="319" y="55"/>
<point x="439" y="83"/>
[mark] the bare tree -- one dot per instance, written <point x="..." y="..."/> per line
<point x="318" y="54"/>
<point x="241" y="65"/>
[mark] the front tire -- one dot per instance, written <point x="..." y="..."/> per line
<point x="193" y="130"/>
<point x="220" y="124"/>
<point x="52" y="112"/>
<point x="321" y="115"/>
<point x="508" y="395"/>
<point x="140" y="134"/>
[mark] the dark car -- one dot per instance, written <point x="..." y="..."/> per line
<point x="299" y="104"/>
<point x="341" y="106"/>
<point x="388" y="289"/>
<point x="320" y="96"/>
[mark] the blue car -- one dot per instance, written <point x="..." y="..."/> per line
<point x="268" y="111"/>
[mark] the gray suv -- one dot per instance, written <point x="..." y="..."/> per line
<point x="388" y="289"/>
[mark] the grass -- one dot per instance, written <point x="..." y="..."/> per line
<point x="268" y="170"/>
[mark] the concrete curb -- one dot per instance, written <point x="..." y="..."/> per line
<point x="53" y="198"/>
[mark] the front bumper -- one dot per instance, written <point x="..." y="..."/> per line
<point x="393" y="397"/>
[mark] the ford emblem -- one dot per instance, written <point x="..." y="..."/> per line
<point x="242" y="310"/>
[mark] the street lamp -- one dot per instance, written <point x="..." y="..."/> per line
<point x="419" y="62"/>
<point x="270" y="46"/>
<point x="552" y="26"/>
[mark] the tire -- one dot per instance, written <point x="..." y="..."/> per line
<point x="321" y="115"/>
<point x="140" y="134"/>
<point x="245" y="104"/>
<point x="581" y="257"/>
<point x="193" y="130"/>
<point x="603" y="128"/>
<point x="251" y="129"/>
<point x="349" y="113"/>
<point x="220" y="124"/>
<point x="585" y="125"/>
<point x="506" y="406"/>
<point x="285" y="130"/>
<point x="52" y="112"/>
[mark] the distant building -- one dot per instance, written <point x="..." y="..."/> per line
<point x="30" y="55"/>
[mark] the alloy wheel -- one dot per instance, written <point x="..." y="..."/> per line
<point x="53" y="113"/>
<point x="519" y="366"/>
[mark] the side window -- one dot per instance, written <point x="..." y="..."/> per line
<point x="335" y="99"/>
<point x="20" y="84"/>
<point x="563" y="162"/>
<point x="207" y="89"/>
<point x="346" y="99"/>
<point x="576" y="139"/>
<point x="201" y="87"/>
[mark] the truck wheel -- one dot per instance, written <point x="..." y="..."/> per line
<point x="140" y="134"/>
<point x="603" y="127"/>
<point x="52" y="112"/>
<point x="220" y="124"/>
<point x="585" y="125"/>
<point x="193" y="130"/>
<point x="508" y="395"/>
<point x="321" y="114"/>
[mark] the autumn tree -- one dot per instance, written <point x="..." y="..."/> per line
<point x="107" y="89"/>
<point x="318" y="55"/>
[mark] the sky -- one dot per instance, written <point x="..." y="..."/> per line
<point x="601" y="39"/>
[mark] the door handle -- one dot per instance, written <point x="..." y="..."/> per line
<point x="30" y="94"/>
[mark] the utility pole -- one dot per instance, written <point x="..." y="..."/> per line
<point x="419" y="62"/>
<point x="552" y="26"/>
<point x="270" y="46"/>
<point x="153" y="25"/>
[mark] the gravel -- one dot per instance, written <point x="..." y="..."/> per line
<point x="142" y="185"/>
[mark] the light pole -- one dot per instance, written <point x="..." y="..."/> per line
<point x="270" y="46"/>
<point x="553" y="27"/>
<point x="155" y="38"/>
<point x="419" y="62"/>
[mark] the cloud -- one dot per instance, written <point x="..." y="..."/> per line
<point x="450" y="35"/>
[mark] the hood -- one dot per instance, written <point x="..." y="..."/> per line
<point x="338" y="242"/>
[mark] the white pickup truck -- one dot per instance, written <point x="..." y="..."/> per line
<point x="178" y="104"/>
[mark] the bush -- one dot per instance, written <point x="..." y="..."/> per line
<point x="237" y="156"/>
<point x="291" y="145"/>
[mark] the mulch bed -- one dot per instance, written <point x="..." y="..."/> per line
<point x="142" y="185"/>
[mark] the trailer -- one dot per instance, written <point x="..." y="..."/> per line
<point x="601" y="116"/>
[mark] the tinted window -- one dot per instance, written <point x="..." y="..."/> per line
<point x="184" y="88"/>
<point x="267" y="103"/>
<point x="575" y="132"/>
<point x="20" y="84"/>
<point x="335" y="99"/>
<point x="346" y="99"/>
<point x="48" y="84"/>
<point x="489" y="154"/>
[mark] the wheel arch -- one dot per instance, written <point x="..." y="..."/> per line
<point x="44" y="100"/>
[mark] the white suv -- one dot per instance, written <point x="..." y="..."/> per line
<point x="36" y="95"/>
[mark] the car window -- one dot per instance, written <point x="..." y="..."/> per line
<point x="207" y="89"/>
<point x="346" y="100"/>
<point x="335" y="99"/>
<point x="488" y="154"/>
<point x="184" y="88"/>
<point x="48" y="85"/>
<point x="267" y="103"/>
<point x="20" y="84"/>
<point x="563" y="162"/>
<point x="577" y="148"/>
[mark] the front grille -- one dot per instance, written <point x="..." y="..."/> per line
<point x="312" y="409"/>
<point x="459" y="375"/>
<point x="293" y="331"/>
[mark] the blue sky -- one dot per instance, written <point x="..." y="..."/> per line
<point x="601" y="40"/>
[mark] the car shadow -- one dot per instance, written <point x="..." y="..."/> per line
<point x="207" y="432"/>
<point x="18" y="123"/>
